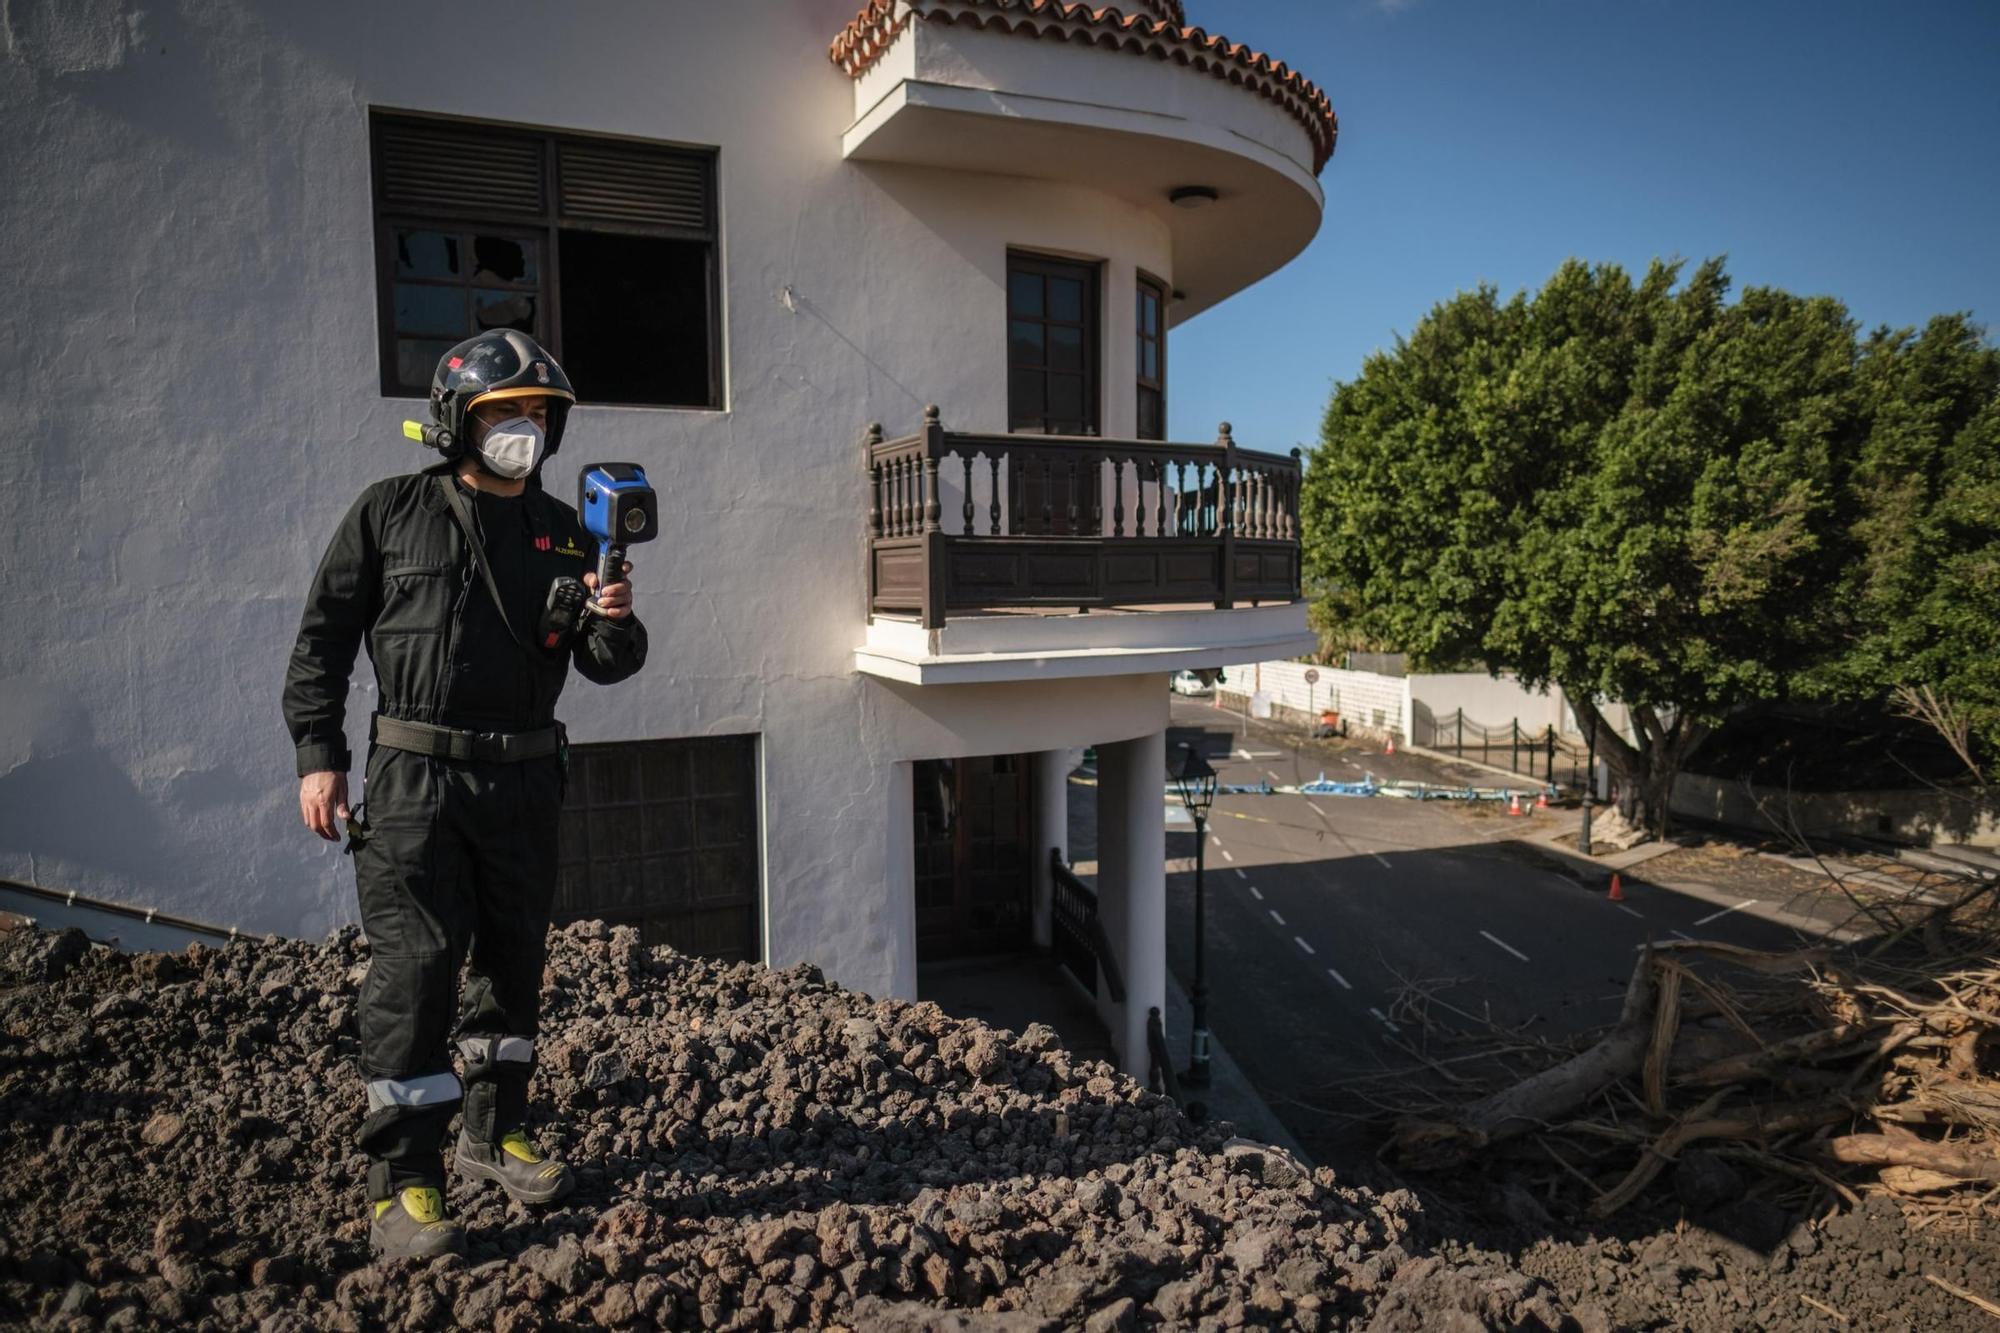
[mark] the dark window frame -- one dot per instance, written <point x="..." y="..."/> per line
<point x="1091" y="323"/>
<point x="545" y="224"/>
<point x="1146" y="285"/>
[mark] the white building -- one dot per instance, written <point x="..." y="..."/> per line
<point x="239" y="235"/>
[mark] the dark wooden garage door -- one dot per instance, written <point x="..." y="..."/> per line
<point x="664" y="835"/>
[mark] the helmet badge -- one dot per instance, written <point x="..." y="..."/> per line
<point x="542" y="371"/>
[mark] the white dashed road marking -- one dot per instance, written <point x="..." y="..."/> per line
<point x="1628" y="911"/>
<point x="1256" y="893"/>
<point x="1717" y="916"/>
<point x="1385" y="1020"/>
<point x="1302" y="944"/>
<point x="1503" y="944"/>
<point x="1275" y="917"/>
<point x="1342" y="980"/>
<point x="1240" y="874"/>
<point x="1225" y="854"/>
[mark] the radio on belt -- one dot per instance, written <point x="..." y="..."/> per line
<point x="619" y="509"/>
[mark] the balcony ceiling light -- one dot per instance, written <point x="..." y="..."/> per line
<point x="1192" y="196"/>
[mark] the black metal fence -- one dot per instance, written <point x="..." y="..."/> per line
<point x="1076" y="936"/>
<point x="1537" y="753"/>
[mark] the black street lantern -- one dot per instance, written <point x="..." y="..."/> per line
<point x="1196" y="782"/>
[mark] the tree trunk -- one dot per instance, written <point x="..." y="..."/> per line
<point x="1646" y="771"/>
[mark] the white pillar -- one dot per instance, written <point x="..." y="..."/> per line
<point x="899" y="878"/>
<point x="1051" y="824"/>
<point x="1132" y="886"/>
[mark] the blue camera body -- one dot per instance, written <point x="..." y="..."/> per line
<point x="619" y="509"/>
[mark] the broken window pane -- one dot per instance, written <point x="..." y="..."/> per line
<point x="503" y="259"/>
<point x="503" y="310"/>
<point x="426" y="254"/>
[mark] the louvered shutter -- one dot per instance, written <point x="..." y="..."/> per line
<point x="632" y="185"/>
<point x="443" y="168"/>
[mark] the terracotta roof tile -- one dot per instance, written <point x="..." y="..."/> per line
<point x="1162" y="32"/>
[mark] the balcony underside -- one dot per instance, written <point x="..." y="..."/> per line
<point x="1039" y="646"/>
<point x="977" y="101"/>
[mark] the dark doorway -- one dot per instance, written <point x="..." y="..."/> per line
<point x="664" y="835"/>
<point x="972" y="842"/>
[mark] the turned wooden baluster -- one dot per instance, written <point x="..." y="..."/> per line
<point x="1117" y="498"/>
<point x="993" y="512"/>
<point x="966" y="459"/>
<point x="1072" y="495"/>
<point x="1048" y="497"/>
<point x="871" y="437"/>
<point x="1096" y="484"/>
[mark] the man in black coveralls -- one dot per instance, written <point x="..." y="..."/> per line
<point x="455" y="844"/>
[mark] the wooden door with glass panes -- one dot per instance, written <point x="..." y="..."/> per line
<point x="973" y="856"/>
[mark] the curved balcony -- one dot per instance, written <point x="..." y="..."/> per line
<point x="973" y="540"/>
<point x="1134" y="105"/>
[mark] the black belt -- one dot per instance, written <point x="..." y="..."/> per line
<point x="491" y="747"/>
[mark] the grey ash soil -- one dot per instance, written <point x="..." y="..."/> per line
<point x="760" y="1149"/>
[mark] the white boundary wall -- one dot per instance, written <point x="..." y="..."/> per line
<point x="1410" y="705"/>
<point x="1365" y="700"/>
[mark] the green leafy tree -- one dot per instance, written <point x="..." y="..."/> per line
<point x="1922" y="591"/>
<point x="1629" y="489"/>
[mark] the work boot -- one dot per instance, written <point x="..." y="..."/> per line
<point x="412" y="1225"/>
<point x="515" y="1166"/>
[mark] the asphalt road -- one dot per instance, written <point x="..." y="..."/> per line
<point x="1321" y="911"/>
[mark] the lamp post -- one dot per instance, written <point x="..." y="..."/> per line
<point x="1196" y="782"/>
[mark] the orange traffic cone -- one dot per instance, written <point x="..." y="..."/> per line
<point x="1513" y="803"/>
<point x="1389" y="746"/>
<point x="1542" y="799"/>
<point x="1617" y="888"/>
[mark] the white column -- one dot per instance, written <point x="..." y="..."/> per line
<point x="1132" y="886"/>
<point x="1051" y="780"/>
<point x="899" y="878"/>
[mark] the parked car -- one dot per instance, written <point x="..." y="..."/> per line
<point x="1189" y="682"/>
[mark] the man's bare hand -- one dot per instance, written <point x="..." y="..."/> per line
<point x="615" y="601"/>
<point x="322" y="800"/>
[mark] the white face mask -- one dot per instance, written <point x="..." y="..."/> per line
<point x="512" y="448"/>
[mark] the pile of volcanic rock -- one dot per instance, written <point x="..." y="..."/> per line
<point x="757" y="1148"/>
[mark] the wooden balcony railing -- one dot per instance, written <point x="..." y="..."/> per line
<point x="962" y="522"/>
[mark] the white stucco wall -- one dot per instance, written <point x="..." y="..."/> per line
<point x="193" y="395"/>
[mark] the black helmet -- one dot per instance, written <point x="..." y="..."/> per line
<point x="501" y="363"/>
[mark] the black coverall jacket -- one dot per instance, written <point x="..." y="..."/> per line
<point x="456" y="858"/>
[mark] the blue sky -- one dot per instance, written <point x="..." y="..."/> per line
<point x="1830" y="147"/>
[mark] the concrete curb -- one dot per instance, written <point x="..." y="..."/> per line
<point x="1574" y="865"/>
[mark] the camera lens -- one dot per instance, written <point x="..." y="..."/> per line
<point x="635" y="521"/>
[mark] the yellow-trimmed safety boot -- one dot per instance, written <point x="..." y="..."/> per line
<point x="515" y="1166"/>
<point x="412" y="1225"/>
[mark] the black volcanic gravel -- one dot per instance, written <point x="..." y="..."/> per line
<point x="757" y="1149"/>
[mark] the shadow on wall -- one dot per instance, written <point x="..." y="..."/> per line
<point x="1917" y="816"/>
<point x="80" y="807"/>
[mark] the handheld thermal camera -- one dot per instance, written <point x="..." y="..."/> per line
<point x="619" y="509"/>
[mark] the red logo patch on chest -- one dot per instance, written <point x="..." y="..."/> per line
<point x="544" y="543"/>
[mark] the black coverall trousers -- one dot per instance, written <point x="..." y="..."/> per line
<point x="459" y="859"/>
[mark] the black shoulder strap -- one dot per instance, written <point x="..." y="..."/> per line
<point x="463" y="513"/>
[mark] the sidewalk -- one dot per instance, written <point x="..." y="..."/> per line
<point x="1230" y="1095"/>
